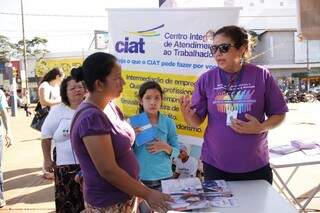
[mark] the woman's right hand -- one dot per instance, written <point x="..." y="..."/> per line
<point x="158" y="201"/>
<point x="185" y="106"/>
<point x="48" y="165"/>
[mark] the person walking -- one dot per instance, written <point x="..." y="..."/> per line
<point x="5" y="140"/>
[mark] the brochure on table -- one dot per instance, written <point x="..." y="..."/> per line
<point x="190" y="193"/>
<point x="308" y="147"/>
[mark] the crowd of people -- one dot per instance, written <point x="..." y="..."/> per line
<point x="98" y="167"/>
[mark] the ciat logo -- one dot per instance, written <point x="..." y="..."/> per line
<point x="136" y="45"/>
<point x="128" y="46"/>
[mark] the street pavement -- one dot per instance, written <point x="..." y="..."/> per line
<point x="27" y="191"/>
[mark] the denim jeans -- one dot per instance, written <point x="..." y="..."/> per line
<point x="1" y="173"/>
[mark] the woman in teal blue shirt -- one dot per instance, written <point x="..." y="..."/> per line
<point x="155" y="158"/>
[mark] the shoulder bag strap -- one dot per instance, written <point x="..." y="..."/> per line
<point x="75" y="117"/>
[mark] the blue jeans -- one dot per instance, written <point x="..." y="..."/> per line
<point x="1" y="173"/>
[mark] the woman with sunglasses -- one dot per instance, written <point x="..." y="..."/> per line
<point x="102" y="139"/>
<point x="242" y="103"/>
<point x="56" y="127"/>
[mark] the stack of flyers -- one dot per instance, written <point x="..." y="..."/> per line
<point x="218" y="194"/>
<point x="187" y="193"/>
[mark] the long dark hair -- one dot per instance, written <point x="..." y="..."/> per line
<point x="95" y="67"/>
<point x="52" y="74"/>
<point x="143" y="89"/>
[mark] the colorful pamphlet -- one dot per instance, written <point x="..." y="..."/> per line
<point x="190" y="193"/>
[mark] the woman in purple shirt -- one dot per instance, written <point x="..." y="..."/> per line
<point x="242" y="102"/>
<point x="101" y="140"/>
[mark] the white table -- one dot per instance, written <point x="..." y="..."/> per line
<point x="295" y="160"/>
<point x="256" y="196"/>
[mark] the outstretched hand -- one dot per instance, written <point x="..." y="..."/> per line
<point x="158" y="201"/>
<point x="252" y="126"/>
<point x="185" y="106"/>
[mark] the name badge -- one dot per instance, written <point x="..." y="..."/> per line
<point x="231" y="114"/>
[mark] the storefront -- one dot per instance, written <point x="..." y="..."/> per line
<point x="309" y="79"/>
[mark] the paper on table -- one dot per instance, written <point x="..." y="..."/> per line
<point x="284" y="149"/>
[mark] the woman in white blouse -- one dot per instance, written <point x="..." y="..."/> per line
<point x="49" y="89"/>
<point x="68" y="197"/>
<point x="49" y="95"/>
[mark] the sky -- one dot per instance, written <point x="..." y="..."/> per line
<point x="51" y="19"/>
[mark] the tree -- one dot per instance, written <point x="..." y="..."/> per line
<point x="35" y="47"/>
<point x="254" y="38"/>
<point x="6" y="49"/>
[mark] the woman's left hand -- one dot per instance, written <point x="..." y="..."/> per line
<point x="157" y="146"/>
<point x="252" y="126"/>
<point x="8" y="140"/>
<point x="79" y="179"/>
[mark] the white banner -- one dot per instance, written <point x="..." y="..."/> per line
<point x="168" y="46"/>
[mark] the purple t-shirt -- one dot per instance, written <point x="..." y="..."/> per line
<point x="255" y="92"/>
<point x="92" y="121"/>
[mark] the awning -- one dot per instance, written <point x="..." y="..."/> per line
<point x="310" y="74"/>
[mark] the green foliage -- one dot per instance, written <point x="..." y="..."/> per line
<point x="6" y="49"/>
<point x="41" y="67"/>
<point x="35" y="47"/>
<point x="253" y="39"/>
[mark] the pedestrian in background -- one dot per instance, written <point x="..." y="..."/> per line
<point x="49" y="88"/>
<point x="5" y="139"/>
<point x="49" y="95"/>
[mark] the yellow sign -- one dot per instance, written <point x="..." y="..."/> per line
<point x="66" y="64"/>
<point x="173" y="86"/>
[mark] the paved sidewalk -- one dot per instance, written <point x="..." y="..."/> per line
<point x="27" y="191"/>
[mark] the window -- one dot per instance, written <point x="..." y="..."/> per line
<point x="261" y="1"/>
<point x="281" y="3"/>
<point x="251" y="4"/>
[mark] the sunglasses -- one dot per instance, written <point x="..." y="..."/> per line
<point x="223" y="48"/>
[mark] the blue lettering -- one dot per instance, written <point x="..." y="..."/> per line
<point x="127" y="46"/>
<point x="119" y="46"/>
<point x="153" y="62"/>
